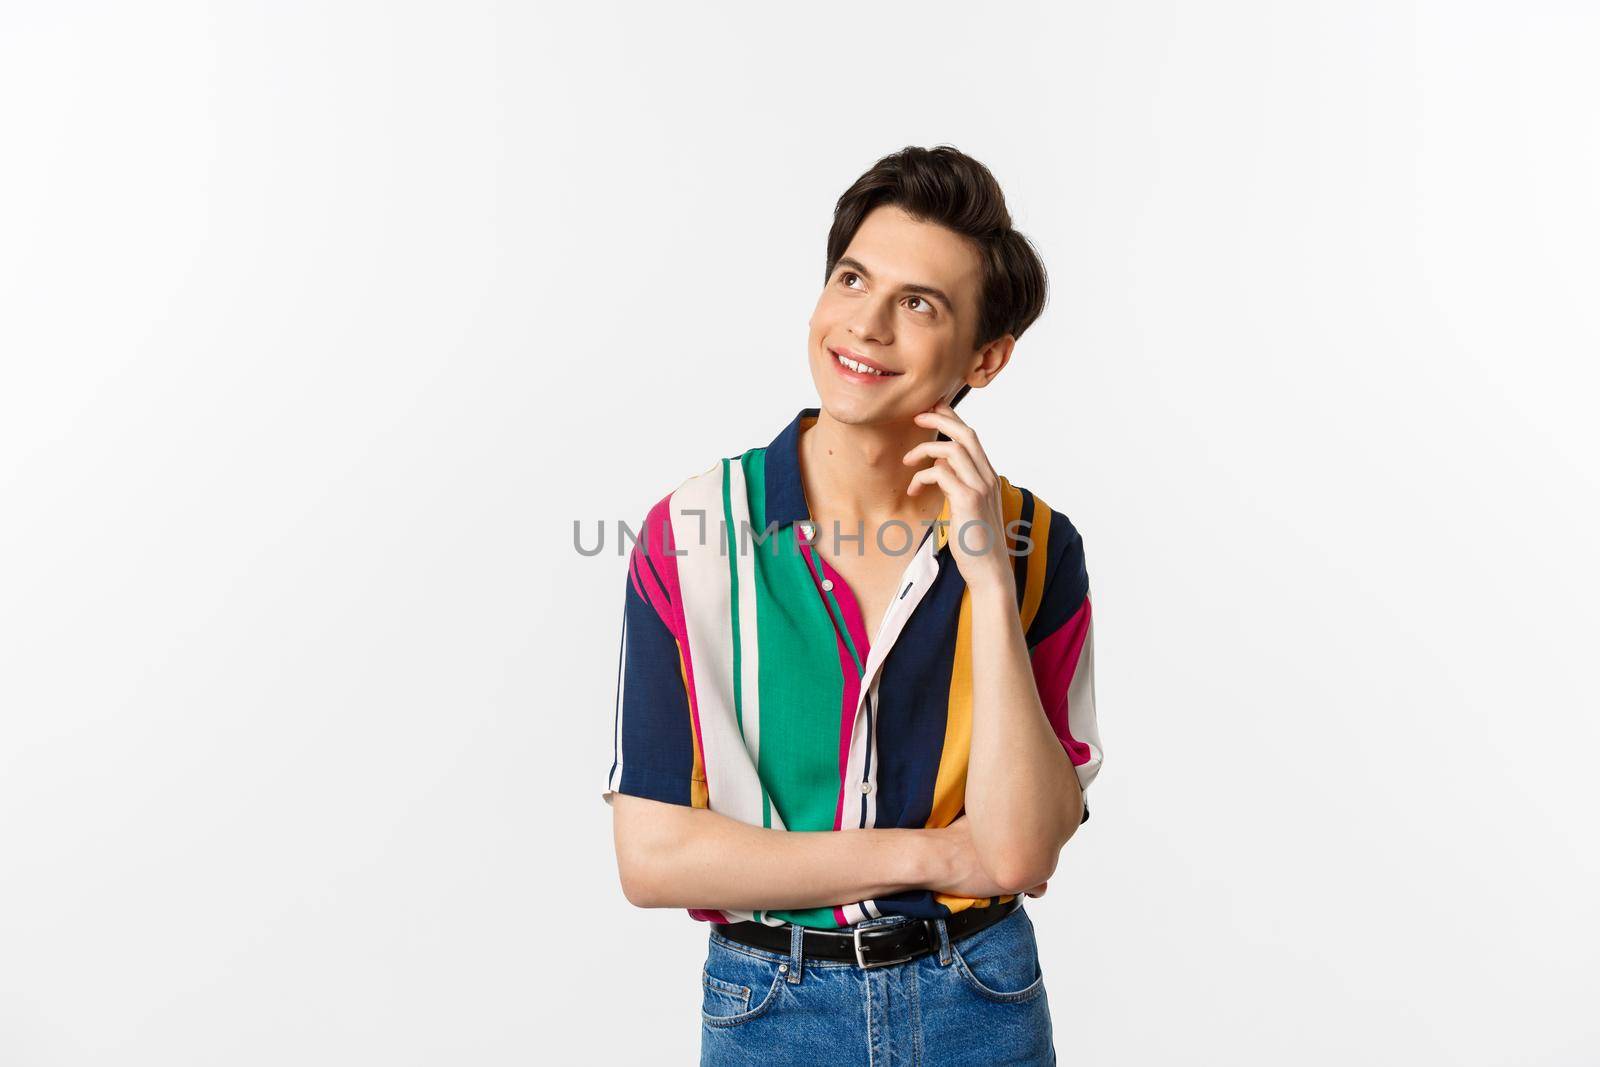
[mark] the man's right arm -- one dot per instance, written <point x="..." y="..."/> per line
<point x="671" y="856"/>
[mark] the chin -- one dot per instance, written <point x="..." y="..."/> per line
<point x="843" y="404"/>
<point x="847" y="413"/>
<point x="854" y="410"/>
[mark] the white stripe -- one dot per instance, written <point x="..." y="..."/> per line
<point x="749" y="646"/>
<point x="920" y="574"/>
<point x="1081" y="720"/>
<point x="876" y="762"/>
<point x="615" y="778"/>
<point x="699" y="535"/>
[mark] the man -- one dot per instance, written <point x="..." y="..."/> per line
<point x="798" y="661"/>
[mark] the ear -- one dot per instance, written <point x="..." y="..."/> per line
<point x="992" y="359"/>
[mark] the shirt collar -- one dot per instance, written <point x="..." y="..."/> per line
<point x="786" y="493"/>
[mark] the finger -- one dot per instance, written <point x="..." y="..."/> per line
<point x="952" y="426"/>
<point x="941" y="475"/>
<point x="959" y="432"/>
<point x="934" y="475"/>
<point x="988" y="537"/>
<point x="954" y="454"/>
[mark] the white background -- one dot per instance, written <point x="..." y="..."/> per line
<point x="321" y="325"/>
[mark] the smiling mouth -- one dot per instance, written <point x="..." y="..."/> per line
<point x="859" y="367"/>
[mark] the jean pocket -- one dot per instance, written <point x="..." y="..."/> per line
<point x="1001" y="963"/>
<point x="737" y="986"/>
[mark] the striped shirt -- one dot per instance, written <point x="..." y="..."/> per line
<point x="747" y="684"/>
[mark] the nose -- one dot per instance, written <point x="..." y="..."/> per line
<point x="874" y="319"/>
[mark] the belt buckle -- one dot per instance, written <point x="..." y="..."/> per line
<point x="861" y="961"/>
<point x="855" y="935"/>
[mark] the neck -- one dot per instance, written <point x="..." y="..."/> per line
<point x="855" y="472"/>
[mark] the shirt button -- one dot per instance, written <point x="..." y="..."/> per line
<point x="866" y="787"/>
<point x="827" y="583"/>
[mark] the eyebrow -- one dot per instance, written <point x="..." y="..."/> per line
<point x="910" y="287"/>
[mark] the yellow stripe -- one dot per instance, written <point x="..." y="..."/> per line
<point x="699" y="795"/>
<point x="1010" y="509"/>
<point x="950" y="787"/>
<point x="1039" y="533"/>
<point x="1033" y="585"/>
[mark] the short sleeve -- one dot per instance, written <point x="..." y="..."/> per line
<point x="653" y="750"/>
<point x="1061" y="649"/>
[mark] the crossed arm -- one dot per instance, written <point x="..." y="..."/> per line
<point x="672" y="856"/>
<point x="1023" y="803"/>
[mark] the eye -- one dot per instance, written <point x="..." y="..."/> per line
<point x="922" y="301"/>
<point x="848" y="275"/>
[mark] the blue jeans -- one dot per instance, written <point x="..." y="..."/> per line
<point x="978" y="1001"/>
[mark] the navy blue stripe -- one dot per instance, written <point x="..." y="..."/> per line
<point x="913" y="710"/>
<point x="866" y="766"/>
<point x="615" y="741"/>
<point x="1066" y="580"/>
<point x="659" y="583"/>
<point x="1021" y="561"/>
<point x="657" y="733"/>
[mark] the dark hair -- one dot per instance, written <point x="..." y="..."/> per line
<point x="946" y="186"/>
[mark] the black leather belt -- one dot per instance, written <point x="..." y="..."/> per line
<point x="875" y="946"/>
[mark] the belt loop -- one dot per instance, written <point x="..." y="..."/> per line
<point x="944" y="943"/>
<point x="797" y="942"/>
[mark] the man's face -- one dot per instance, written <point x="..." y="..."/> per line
<point x="905" y="296"/>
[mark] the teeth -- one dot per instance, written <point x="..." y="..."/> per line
<point x="853" y="365"/>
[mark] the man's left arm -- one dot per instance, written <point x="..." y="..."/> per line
<point x="1035" y="742"/>
<point x="1023" y="794"/>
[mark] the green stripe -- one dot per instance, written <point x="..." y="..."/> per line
<point x="732" y="537"/>
<point x="733" y="595"/>
<point x="800" y="681"/>
<point x="849" y="640"/>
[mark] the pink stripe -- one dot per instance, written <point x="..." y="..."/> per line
<point x="847" y="667"/>
<point x="850" y="609"/>
<point x="658" y="542"/>
<point x="1055" y="659"/>
<point x="657" y="538"/>
<point x="642" y="583"/>
<point x="655" y="541"/>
